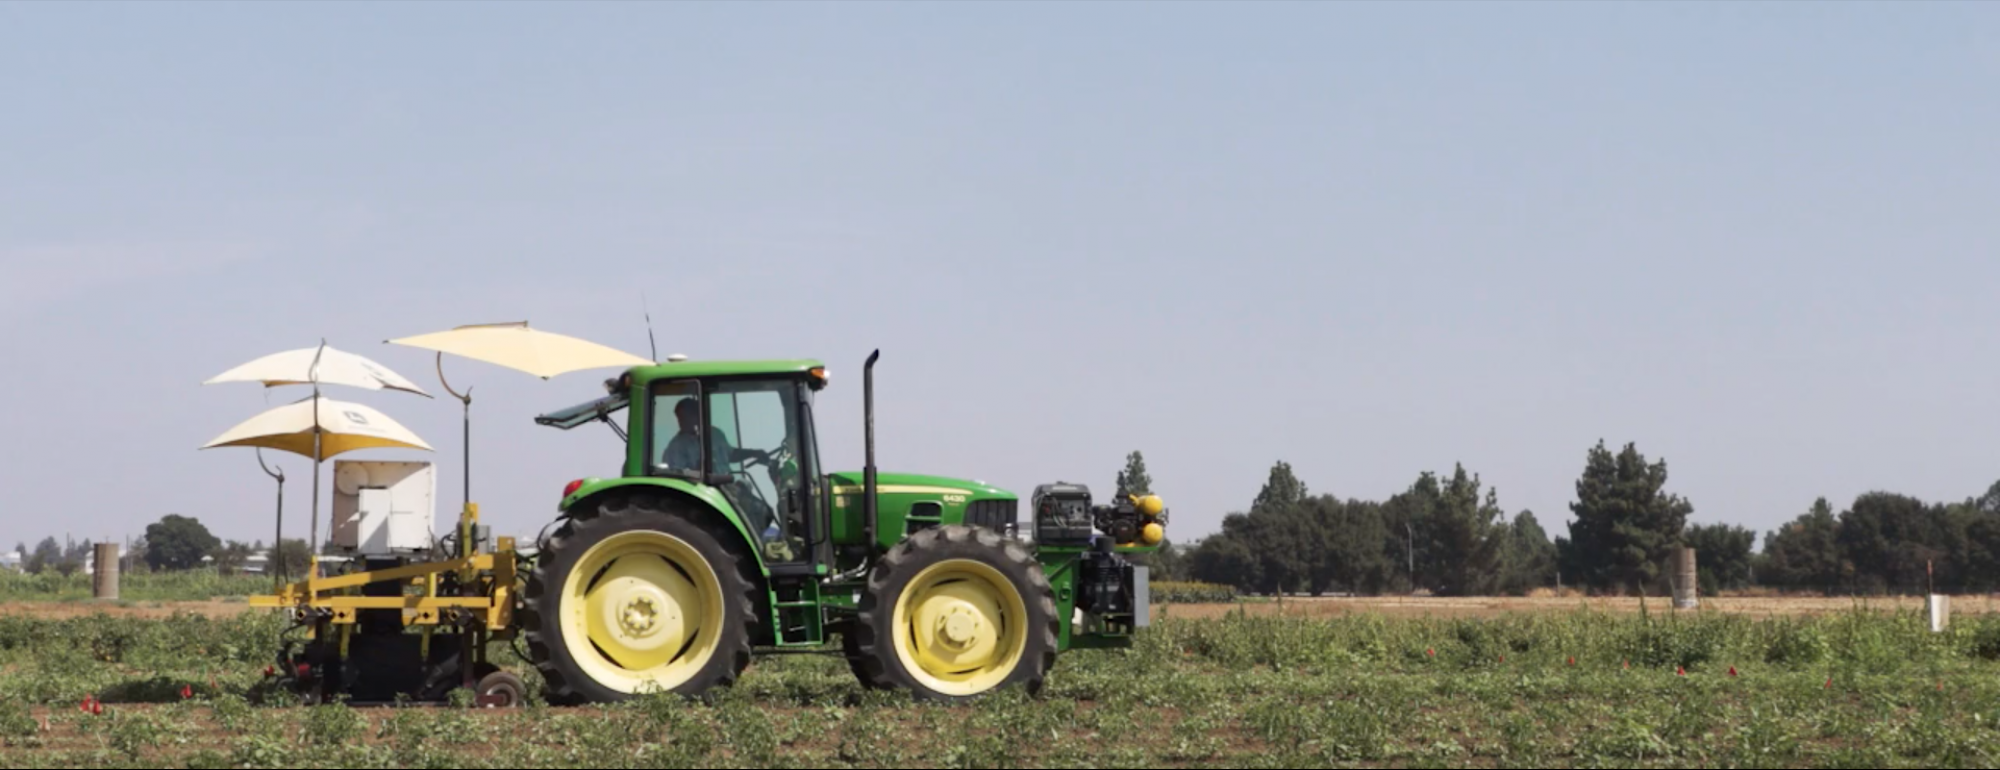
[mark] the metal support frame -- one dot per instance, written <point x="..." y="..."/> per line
<point x="334" y="598"/>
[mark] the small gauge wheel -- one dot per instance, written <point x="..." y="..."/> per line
<point x="501" y="689"/>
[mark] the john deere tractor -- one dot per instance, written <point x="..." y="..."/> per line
<point x="723" y="537"/>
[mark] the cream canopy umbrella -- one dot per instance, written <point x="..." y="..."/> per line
<point x="516" y="346"/>
<point x="319" y="428"/>
<point x="320" y="365"/>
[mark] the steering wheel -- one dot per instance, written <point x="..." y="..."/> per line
<point x="774" y="458"/>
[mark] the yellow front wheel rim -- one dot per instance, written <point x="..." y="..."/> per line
<point x="960" y="627"/>
<point x="642" y="610"/>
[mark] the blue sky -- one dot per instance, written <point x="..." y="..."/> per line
<point x="1369" y="240"/>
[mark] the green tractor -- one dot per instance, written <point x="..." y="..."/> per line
<point x="724" y="537"/>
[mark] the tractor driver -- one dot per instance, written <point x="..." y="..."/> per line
<point x="684" y="449"/>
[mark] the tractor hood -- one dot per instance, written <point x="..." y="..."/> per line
<point x="849" y="483"/>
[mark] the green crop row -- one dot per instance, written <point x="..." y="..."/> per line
<point x="184" y="586"/>
<point x="1171" y="592"/>
<point x="1579" y="689"/>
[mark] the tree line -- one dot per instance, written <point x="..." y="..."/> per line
<point x="174" y="543"/>
<point x="1448" y="535"/>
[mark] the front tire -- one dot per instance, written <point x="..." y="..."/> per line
<point x="641" y="596"/>
<point x="954" y="613"/>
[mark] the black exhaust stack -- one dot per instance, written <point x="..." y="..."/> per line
<point x="868" y="472"/>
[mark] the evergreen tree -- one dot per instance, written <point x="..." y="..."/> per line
<point x="1134" y="479"/>
<point x="1531" y="557"/>
<point x="1805" y="553"/>
<point x="1626" y="526"/>
<point x="1464" y="539"/>
<point x="1281" y="489"/>
<point x="1722" y="556"/>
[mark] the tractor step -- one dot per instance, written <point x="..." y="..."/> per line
<point x="796" y="614"/>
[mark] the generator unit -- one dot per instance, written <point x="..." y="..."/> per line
<point x="384" y="508"/>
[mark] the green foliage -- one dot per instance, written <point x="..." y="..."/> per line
<point x="1292" y="542"/>
<point x="178" y="542"/>
<point x="1170" y="592"/>
<point x="1722" y="556"/>
<point x="231" y="557"/>
<point x="46" y="556"/>
<point x="197" y="585"/>
<point x="1805" y="553"/>
<point x="1530" y="561"/>
<point x="295" y="556"/>
<point x="1461" y="538"/>
<point x="1283" y="489"/>
<point x="1134" y="479"/>
<point x="1793" y="643"/>
<point x="1888" y="538"/>
<point x="1279" y="691"/>
<point x="1626" y="524"/>
<point x="1167" y="564"/>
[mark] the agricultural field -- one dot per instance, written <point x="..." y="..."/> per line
<point x="134" y="589"/>
<point x="1249" y="687"/>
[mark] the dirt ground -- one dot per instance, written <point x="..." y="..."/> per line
<point x="1495" y="606"/>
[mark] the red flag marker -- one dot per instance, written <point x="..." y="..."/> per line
<point x="187" y="691"/>
<point x="1431" y="652"/>
<point x="1628" y="665"/>
<point x="1732" y="670"/>
<point x="1678" y="671"/>
<point x="1572" y="660"/>
<point x="1829" y="683"/>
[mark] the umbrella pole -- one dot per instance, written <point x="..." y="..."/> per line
<point x="465" y="507"/>
<point x="312" y="544"/>
<point x="274" y="563"/>
<point x="277" y="558"/>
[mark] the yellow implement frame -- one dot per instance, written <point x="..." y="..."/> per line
<point x="338" y="598"/>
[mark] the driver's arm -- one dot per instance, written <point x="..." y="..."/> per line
<point x="732" y="452"/>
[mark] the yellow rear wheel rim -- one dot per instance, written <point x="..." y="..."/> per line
<point x="642" y="610"/>
<point x="960" y="627"/>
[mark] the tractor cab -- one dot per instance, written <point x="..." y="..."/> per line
<point x="741" y="430"/>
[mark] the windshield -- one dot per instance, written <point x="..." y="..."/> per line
<point x="742" y="437"/>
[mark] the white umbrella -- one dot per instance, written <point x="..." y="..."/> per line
<point x="333" y="367"/>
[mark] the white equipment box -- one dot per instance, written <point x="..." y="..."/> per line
<point x="383" y="508"/>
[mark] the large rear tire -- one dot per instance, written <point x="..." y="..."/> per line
<point x="954" y="613"/>
<point x="640" y="595"/>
